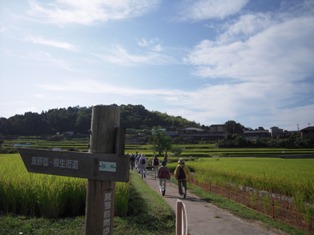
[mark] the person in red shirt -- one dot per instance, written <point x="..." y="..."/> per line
<point x="163" y="175"/>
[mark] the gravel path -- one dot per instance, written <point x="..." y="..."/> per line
<point x="205" y="218"/>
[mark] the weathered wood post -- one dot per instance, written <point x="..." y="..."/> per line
<point x="100" y="194"/>
<point x="105" y="165"/>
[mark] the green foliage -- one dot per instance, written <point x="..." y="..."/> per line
<point x="147" y="206"/>
<point x="239" y="141"/>
<point x="160" y="141"/>
<point x="292" y="178"/>
<point x="233" y="127"/>
<point x="176" y="150"/>
<point x="78" y="119"/>
<point x="10" y="224"/>
<point x="46" y="195"/>
<point x="137" y="117"/>
<point x="36" y="194"/>
<point x="122" y="197"/>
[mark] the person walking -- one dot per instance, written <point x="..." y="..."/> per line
<point x="182" y="173"/>
<point x="163" y="176"/>
<point x="132" y="161"/>
<point x="137" y="158"/>
<point x="155" y="164"/>
<point x="142" y="163"/>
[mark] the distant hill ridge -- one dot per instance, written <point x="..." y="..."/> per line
<point x="78" y="120"/>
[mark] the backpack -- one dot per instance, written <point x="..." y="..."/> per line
<point x="156" y="162"/>
<point x="181" y="173"/>
<point x="163" y="173"/>
<point x="143" y="161"/>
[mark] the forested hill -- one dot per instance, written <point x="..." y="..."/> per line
<point x="78" y="119"/>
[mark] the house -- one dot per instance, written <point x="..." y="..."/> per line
<point x="217" y="128"/>
<point x="193" y="133"/>
<point x="275" y="132"/>
<point x="192" y="130"/>
<point x="307" y="133"/>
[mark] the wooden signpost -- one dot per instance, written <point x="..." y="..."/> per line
<point x="103" y="166"/>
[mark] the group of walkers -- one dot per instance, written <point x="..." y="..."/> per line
<point x="161" y="171"/>
<point x="138" y="162"/>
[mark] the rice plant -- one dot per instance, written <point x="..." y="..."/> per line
<point x="49" y="196"/>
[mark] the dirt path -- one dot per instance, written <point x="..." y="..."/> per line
<point x="205" y="218"/>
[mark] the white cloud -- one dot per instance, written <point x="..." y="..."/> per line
<point x="198" y="10"/>
<point x="207" y="105"/>
<point x="152" y="44"/>
<point x="244" y="27"/>
<point x="2" y="29"/>
<point x="44" y="58"/>
<point x="87" y="12"/>
<point x="96" y="87"/>
<point x="53" y="43"/>
<point x="121" y="56"/>
<point x="269" y="60"/>
<point x="282" y="52"/>
<point x="251" y="104"/>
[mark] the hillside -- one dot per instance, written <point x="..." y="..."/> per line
<point x="78" y="119"/>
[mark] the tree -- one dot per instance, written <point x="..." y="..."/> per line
<point x="34" y="124"/>
<point x="4" y="126"/>
<point x="62" y="119"/>
<point x="233" y="127"/>
<point x="176" y="150"/>
<point x="83" y="120"/>
<point x="161" y="142"/>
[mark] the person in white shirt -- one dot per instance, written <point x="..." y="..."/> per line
<point x="142" y="163"/>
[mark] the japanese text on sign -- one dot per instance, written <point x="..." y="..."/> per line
<point x="107" y="213"/>
<point x="55" y="162"/>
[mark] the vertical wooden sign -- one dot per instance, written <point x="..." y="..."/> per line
<point x="103" y="166"/>
<point x="100" y="194"/>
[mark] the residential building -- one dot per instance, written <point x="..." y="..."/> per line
<point x="276" y="131"/>
<point x="307" y="133"/>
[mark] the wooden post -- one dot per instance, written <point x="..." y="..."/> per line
<point x="100" y="194"/>
<point x="105" y="165"/>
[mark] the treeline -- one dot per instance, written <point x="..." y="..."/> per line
<point x="78" y="120"/>
<point x="239" y="141"/>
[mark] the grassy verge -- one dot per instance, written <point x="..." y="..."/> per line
<point x="10" y="224"/>
<point x="148" y="215"/>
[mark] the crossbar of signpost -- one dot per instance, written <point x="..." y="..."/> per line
<point x="181" y="219"/>
<point x="103" y="166"/>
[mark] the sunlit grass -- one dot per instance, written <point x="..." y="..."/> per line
<point x="292" y="177"/>
<point x="44" y="195"/>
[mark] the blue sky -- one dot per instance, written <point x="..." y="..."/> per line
<point x="209" y="61"/>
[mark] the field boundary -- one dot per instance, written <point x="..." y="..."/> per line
<point x="278" y="207"/>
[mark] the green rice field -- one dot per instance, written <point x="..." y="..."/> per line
<point x="292" y="177"/>
<point x="49" y="196"/>
<point x="260" y="169"/>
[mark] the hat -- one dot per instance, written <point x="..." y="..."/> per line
<point x="164" y="163"/>
<point x="181" y="160"/>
